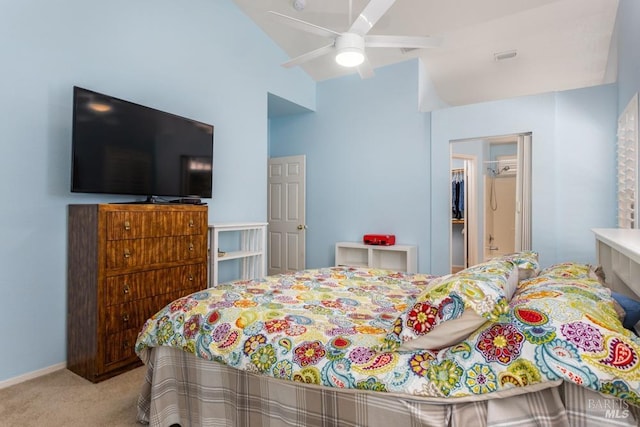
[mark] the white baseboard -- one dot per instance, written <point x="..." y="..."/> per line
<point x="31" y="375"/>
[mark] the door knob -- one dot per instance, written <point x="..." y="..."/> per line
<point x="302" y="227"/>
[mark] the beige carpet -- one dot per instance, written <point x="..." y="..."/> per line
<point x="64" y="399"/>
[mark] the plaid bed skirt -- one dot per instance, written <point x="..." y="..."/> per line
<point x="180" y="388"/>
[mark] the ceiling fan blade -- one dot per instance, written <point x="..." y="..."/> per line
<point x="309" y="56"/>
<point x="402" y="41"/>
<point x="371" y="13"/>
<point x="365" y="69"/>
<point x="304" y="25"/>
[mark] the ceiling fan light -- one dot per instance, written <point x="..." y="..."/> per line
<point x="350" y="48"/>
<point x="350" y="57"/>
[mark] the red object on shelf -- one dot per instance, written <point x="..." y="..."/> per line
<point x="379" y="239"/>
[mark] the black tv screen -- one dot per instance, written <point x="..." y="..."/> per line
<point x="120" y="147"/>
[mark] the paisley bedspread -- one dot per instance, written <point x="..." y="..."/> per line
<point x="328" y="327"/>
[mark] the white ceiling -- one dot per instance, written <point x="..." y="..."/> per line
<point x="560" y="44"/>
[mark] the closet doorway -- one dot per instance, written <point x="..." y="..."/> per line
<point x="490" y="198"/>
<point x="463" y="216"/>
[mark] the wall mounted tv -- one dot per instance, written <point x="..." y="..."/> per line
<point x="119" y="147"/>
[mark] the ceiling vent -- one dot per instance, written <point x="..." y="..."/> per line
<point x="507" y="54"/>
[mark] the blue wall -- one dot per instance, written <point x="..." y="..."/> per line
<point x="201" y="59"/>
<point x="367" y="153"/>
<point x="375" y="122"/>
<point x="573" y="166"/>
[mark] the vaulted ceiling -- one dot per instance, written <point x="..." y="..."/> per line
<point x="558" y="44"/>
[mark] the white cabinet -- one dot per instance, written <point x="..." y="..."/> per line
<point x="395" y="257"/>
<point x="618" y="252"/>
<point x="240" y="241"/>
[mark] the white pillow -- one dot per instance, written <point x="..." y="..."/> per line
<point x="447" y="333"/>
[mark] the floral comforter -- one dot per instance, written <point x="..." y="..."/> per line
<point x="328" y="327"/>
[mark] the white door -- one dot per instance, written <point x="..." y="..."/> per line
<point x="286" y="204"/>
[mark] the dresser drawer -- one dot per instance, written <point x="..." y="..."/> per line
<point x="135" y="286"/>
<point x="124" y="322"/>
<point x="136" y="225"/>
<point x="185" y="279"/>
<point x="147" y="252"/>
<point x="120" y="346"/>
<point x="133" y="314"/>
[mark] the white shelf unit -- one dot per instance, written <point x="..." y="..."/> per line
<point x="394" y="257"/>
<point x="248" y="244"/>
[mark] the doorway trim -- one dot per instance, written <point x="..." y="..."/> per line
<point x="470" y="228"/>
<point x="523" y="184"/>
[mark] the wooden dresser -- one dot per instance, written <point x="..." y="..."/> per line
<point x="126" y="262"/>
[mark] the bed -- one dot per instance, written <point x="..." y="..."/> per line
<point x="499" y="344"/>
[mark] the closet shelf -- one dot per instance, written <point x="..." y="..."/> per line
<point x="457" y="221"/>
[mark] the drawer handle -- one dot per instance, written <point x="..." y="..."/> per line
<point x="191" y="224"/>
<point x="127" y="225"/>
<point x="191" y="247"/>
<point x="125" y="289"/>
<point x="125" y="317"/>
<point x="127" y="254"/>
<point x="191" y="277"/>
<point x="125" y="345"/>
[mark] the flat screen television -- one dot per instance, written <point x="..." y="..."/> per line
<point x="119" y="147"/>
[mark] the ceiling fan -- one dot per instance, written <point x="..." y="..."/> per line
<point x="349" y="47"/>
